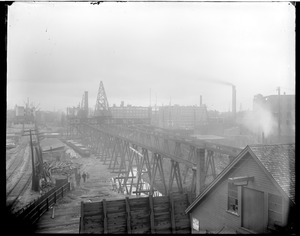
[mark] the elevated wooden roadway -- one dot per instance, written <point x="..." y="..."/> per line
<point x="132" y="152"/>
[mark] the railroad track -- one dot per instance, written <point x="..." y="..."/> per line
<point x="16" y="163"/>
<point x="10" y="153"/>
<point x="20" y="169"/>
<point x="18" y="190"/>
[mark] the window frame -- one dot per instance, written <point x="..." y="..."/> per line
<point x="235" y="199"/>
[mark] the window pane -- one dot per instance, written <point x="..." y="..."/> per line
<point x="232" y="198"/>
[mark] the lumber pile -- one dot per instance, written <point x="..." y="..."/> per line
<point x="61" y="167"/>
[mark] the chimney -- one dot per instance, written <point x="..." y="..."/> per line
<point x="200" y="100"/>
<point x="233" y="102"/>
<point x="86" y="101"/>
<point x="263" y="138"/>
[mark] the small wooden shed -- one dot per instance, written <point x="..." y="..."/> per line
<point x="255" y="193"/>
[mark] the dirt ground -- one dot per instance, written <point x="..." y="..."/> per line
<point x="67" y="210"/>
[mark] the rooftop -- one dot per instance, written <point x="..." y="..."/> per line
<point x="48" y="143"/>
<point x="279" y="160"/>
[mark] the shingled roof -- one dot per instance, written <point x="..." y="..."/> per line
<point x="279" y="160"/>
<point x="48" y="143"/>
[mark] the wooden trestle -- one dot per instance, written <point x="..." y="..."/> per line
<point x="135" y="154"/>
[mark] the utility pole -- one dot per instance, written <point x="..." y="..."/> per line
<point x="35" y="186"/>
<point x="150" y="97"/>
<point x="279" y="114"/>
<point x="33" y="167"/>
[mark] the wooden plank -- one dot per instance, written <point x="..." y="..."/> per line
<point x="141" y="200"/>
<point x="82" y="218"/>
<point x="129" y="177"/>
<point x="93" y="218"/>
<point x="139" y="221"/>
<point x="160" y="199"/>
<point x="92" y="205"/>
<point x="139" y="216"/>
<point x="141" y="229"/>
<point x="141" y="191"/>
<point x="104" y="214"/>
<point x="115" y="202"/>
<point x="162" y="208"/>
<point x="93" y="213"/>
<point x="151" y="214"/>
<point x="128" y="215"/>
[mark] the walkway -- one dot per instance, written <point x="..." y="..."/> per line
<point x="67" y="211"/>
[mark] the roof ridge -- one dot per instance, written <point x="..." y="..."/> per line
<point x="263" y="145"/>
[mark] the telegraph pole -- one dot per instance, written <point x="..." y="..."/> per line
<point x="33" y="185"/>
<point x="279" y="114"/>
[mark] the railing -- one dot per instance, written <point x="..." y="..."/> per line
<point x="35" y="210"/>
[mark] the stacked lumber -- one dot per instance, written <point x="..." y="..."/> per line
<point x="63" y="168"/>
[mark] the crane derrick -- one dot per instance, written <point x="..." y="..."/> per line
<point x="84" y="107"/>
<point x="102" y="109"/>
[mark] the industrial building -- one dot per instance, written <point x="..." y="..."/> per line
<point x="282" y="108"/>
<point x="53" y="149"/>
<point x="180" y="117"/>
<point x="131" y="114"/>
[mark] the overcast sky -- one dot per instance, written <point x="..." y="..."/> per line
<point x="178" y="50"/>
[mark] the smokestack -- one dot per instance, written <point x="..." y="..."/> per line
<point x="86" y="103"/>
<point x="263" y="138"/>
<point x="233" y="102"/>
<point x="200" y="100"/>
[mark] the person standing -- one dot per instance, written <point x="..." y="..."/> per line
<point x="79" y="177"/>
<point x="84" y="176"/>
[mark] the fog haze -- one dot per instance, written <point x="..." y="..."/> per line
<point x="178" y="50"/>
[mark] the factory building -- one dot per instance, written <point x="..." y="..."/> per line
<point x="131" y="114"/>
<point x="282" y="108"/>
<point x="180" y="117"/>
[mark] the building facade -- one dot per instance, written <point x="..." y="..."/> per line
<point x="131" y="114"/>
<point x="282" y="109"/>
<point x="180" y="117"/>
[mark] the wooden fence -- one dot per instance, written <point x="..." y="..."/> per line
<point x="37" y="208"/>
<point x="142" y="215"/>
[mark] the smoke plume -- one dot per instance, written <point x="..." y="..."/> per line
<point x="260" y="120"/>
<point x="217" y="81"/>
<point x="221" y="82"/>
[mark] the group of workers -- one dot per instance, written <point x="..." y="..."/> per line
<point x="85" y="175"/>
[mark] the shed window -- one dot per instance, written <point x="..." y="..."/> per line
<point x="196" y="225"/>
<point x="232" y="198"/>
<point x="274" y="209"/>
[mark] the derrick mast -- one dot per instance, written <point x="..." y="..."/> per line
<point x="102" y="111"/>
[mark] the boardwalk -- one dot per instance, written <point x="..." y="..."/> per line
<point x="67" y="211"/>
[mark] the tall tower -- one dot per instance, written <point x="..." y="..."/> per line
<point x="84" y="105"/>
<point x="233" y="102"/>
<point x="102" y="108"/>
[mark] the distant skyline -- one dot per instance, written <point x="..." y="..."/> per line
<point x="176" y="50"/>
